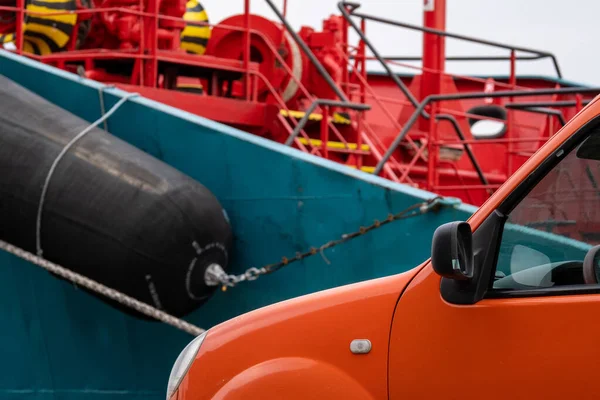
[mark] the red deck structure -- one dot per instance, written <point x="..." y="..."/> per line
<point x="454" y="135"/>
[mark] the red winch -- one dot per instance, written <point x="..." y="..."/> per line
<point x="311" y="89"/>
<point x="182" y="27"/>
<point x="267" y="39"/>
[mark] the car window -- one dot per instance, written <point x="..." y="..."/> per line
<point x="549" y="232"/>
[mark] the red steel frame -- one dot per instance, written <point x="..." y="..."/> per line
<point x="433" y="70"/>
<point x="424" y="168"/>
<point x="148" y="63"/>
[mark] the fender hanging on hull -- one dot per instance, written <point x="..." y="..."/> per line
<point x="112" y="212"/>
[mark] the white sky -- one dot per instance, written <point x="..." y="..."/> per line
<point x="566" y="28"/>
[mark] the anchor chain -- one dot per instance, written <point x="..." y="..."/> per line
<point x="217" y="275"/>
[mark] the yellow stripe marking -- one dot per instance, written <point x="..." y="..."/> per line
<point x="67" y="17"/>
<point x="369" y="170"/>
<point x="334" y="145"/>
<point x="8" y="38"/>
<point x="300" y="114"/>
<point x="194" y="16"/>
<point x="42" y="46"/>
<point x="28" y="48"/>
<point x="58" y="1"/>
<point x="337" y="118"/>
<point x="193" y="47"/>
<point x="190" y="86"/>
<point x="197" y="31"/>
<point x="56" y="35"/>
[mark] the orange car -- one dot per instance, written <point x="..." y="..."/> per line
<point x="505" y="308"/>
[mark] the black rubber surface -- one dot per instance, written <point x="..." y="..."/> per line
<point x="112" y="212"/>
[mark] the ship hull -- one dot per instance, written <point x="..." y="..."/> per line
<point x="61" y="342"/>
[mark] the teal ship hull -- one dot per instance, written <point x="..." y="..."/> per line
<point x="60" y="342"/>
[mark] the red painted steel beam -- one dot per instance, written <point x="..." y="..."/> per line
<point x="215" y="108"/>
<point x="19" y="25"/>
<point x="434" y="47"/>
<point x="150" y="69"/>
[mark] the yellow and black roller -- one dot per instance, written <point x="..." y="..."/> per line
<point x="46" y="34"/>
<point x="195" y="35"/>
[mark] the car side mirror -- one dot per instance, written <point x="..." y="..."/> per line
<point x="452" y="251"/>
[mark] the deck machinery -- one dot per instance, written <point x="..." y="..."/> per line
<point x="454" y="135"/>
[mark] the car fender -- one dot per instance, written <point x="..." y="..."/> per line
<point x="292" y="378"/>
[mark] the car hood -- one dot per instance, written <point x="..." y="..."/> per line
<point x="311" y="332"/>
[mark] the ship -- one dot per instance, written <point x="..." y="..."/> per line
<point x="256" y="162"/>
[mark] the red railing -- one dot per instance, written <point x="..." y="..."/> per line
<point x="425" y="166"/>
<point x="148" y="63"/>
<point x="464" y="175"/>
<point x="418" y="163"/>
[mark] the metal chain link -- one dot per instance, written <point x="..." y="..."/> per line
<point x="99" y="288"/>
<point x="254" y="273"/>
<point x="226" y="280"/>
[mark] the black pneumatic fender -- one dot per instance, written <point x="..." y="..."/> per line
<point x="112" y="212"/>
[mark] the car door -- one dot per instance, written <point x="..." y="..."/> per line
<point x="527" y="326"/>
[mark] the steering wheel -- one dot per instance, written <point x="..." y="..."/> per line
<point x="591" y="266"/>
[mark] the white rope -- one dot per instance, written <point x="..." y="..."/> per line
<point x="101" y="100"/>
<point x="99" y="288"/>
<point x="38" y="227"/>
<point x="74" y="277"/>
